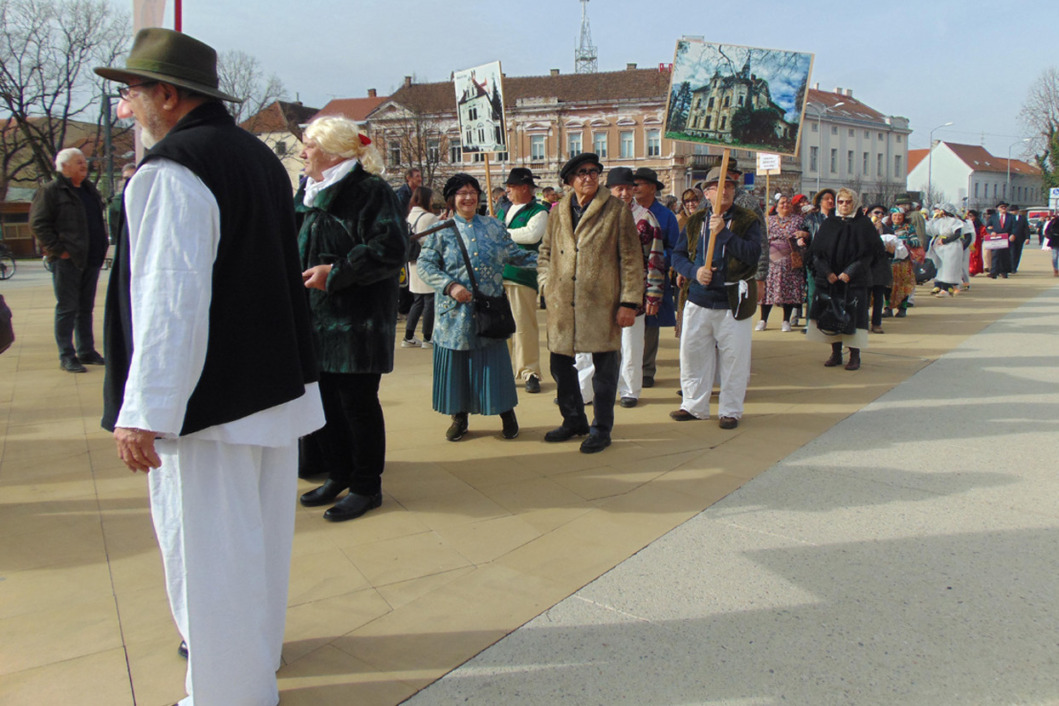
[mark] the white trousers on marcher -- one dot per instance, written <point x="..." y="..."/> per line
<point x="224" y="517"/>
<point x="630" y="375"/>
<point x="710" y="337"/>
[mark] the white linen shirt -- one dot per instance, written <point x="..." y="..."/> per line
<point x="174" y="231"/>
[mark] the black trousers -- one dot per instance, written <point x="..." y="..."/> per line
<point x="1016" y="254"/>
<point x="422" y="305"/>
<point x="1001" y="263"/>
<point x="604" y="388"/>
<point x="351" y="446"/>
<point x="879" y="293"/>
<point x="75" y="297"/>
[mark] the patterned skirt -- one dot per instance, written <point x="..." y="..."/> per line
<point x="904" y="281"/>
<point x="478" y="381"/>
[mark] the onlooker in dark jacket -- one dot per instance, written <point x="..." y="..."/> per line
<point x="67" y="218"/>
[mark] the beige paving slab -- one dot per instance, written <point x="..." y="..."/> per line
<point x="474" y="538"/>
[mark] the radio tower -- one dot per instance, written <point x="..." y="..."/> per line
<point x="585" y="54"/>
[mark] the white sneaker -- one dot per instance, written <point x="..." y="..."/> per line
<point x="785" y="326"/>
<point x="760" y="326"/>
<point x="411" y="343"/>
<point x="426" y="344"/>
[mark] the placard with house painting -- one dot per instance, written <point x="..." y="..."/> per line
<point x="738" y="97"/>
<point x="480" y="107"/>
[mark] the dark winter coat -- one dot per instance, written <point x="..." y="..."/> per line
<point x="845" y="245"/>
<point x="58" y="219"/>
<point x="357" y="227"/>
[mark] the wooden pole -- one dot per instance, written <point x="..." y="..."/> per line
<point x="721" y="185"/>
<point x="489" y="187"/>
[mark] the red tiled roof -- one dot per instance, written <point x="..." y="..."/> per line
<point x="440" y="98"/>
<point x="356" y="109"/>
<point x="978" y="158"/>
<point x="850" y="108"/>
<point x="915" y="157"/>
<point x="279" y="116"/>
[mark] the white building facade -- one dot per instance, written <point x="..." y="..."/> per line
<point x="845" y="143"/>
<point x="968" y="176"/>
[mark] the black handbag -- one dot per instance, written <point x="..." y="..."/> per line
<point x="492" y="315"/>
<point x="832" y="314"/>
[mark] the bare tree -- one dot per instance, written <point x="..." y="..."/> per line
<point x="241" y="75"/>
<point x="1040" y="118"/>
<point x="47" y="87"/>
<point x="420" y="142"/>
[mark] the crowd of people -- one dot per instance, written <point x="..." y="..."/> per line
<point x="248" y="328"/>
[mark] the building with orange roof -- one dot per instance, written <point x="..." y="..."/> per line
<point x="969" y="176"/>
<point x="847" y="143"/>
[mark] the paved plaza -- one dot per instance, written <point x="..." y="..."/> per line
<point x="886" y="536"/>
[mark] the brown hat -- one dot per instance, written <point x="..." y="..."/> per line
<point x="714" y="176"/>
<point x="163" y="55"/>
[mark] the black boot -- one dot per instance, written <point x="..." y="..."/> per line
<point x="510" y="424"/>
<point x="458" y="427"/>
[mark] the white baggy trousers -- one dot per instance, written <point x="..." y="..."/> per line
<point x="224" y="517"/>
<point x="709" y="337"/>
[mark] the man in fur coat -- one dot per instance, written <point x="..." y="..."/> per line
<point x="590" y="270"/>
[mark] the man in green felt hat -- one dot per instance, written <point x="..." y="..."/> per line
<point x="211" y="377"/>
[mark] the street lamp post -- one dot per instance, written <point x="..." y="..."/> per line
<point x="930" y="162"/>
<point x="821" y="109"/>
<point x="1007" y="189"/>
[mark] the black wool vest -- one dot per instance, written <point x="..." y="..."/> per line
<point x="259" y="353"/>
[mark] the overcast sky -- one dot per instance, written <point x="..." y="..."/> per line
<point x="931" y="61"/>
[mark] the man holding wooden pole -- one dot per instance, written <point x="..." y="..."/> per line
<point x="716" y="258"/>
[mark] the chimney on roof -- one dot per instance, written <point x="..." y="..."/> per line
<point x="631" y="66"/>
<point x="816" y="86"/>
<point x="838" y="90"/>
<point x="372" y="93"/>
<point x="849" y="92"/>
<point x="407" y="81"/>
<point x="555" y="72"/>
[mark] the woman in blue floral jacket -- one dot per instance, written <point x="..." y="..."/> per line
<point x="471" y="374"/>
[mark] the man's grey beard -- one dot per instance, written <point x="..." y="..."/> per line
<point x="147" y="138"/>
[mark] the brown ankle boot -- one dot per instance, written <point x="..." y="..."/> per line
<point x="854" y="359"/>
<point x="836" y="356"/>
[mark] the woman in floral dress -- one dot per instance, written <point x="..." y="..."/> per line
<point x="784" y="284"/>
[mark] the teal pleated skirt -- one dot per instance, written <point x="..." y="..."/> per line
<point x="478" y="381"/>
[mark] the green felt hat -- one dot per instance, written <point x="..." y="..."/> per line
<point x="160" y="54"/>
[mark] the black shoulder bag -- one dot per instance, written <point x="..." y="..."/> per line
<point x="493" y="317"/>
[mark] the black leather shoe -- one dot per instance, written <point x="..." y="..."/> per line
<point x="72" y="365"/>
<point x="594" y="443"/>
<point x="182" y="649"/>
<point x="324" y="495"/>
<point x="648" y="382"/>
<point x="352" y="506"/>
<point x="510" y="424"/>
<point x="564" y="433"/>
<point x="458" y="427"/>
<point x="628" y="402"/>
<point x="92" y="358"/>
<point x="533" y="384"/>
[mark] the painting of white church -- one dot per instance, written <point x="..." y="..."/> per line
<point x="738" y="97"/>
<point x="480" y="106"/>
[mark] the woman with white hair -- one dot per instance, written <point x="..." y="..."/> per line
<point x="842" y="252"/>
<point x="352" y="245"/>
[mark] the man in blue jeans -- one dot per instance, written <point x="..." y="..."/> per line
<point x="67" y="218"/>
